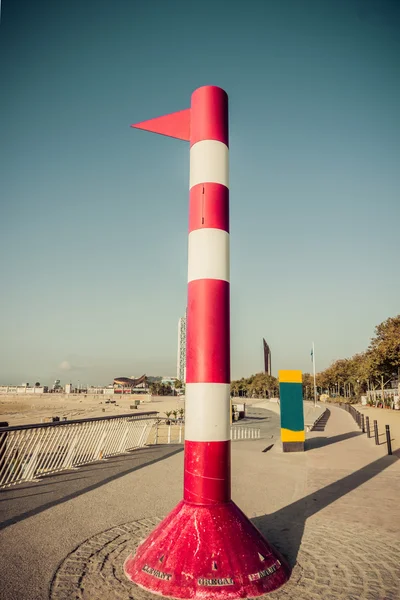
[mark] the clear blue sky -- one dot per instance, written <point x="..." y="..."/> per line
<point x="93" y="214"/>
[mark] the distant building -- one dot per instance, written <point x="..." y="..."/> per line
<point x="169" y="381"/>
<point x="23" y="389"/>
<point x="131" y="385"/>
<point x="181" y="361"/>
<point x="267" y="358"/>
<point x="130" y="382"/>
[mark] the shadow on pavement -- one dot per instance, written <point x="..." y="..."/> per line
<point x="285" y="528"/>
<point x="254" y="418"/>
<point x="319" y="442"/>
<point x="63" y="490"/>
<point x="321" y="423"/>
<point x="15" y="490"/>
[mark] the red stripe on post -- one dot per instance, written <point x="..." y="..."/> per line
<point x="209" y="115"/>
<point x="209" y="207"/>
<point x="208" y="334"/>
<point x="207" y="478"/>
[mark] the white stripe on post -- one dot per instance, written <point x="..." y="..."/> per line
<point x="209" y="162"/>
<point x="208" y="254"/>
<point x="207" y="416"/>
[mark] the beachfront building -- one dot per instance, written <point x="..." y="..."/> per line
<point x="181" y="359"/>
<point x="131" y="385"/>
<point x="23" y="389"/>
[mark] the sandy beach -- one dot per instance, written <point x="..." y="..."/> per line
<point x="32" y="409"/>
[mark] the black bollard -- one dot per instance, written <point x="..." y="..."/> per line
<point x="367" y="427"/>
<point x="376" y="433"/>
<point x="388" y="440"/>
<point x="362" y="424"/>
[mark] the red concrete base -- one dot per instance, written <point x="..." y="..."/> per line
<point x="207" y="552"/>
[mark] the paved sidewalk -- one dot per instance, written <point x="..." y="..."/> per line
<point x="311" y="412"/>
<point x="333" y="510"/>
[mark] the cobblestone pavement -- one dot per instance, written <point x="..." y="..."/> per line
<point x="332" y="564"/>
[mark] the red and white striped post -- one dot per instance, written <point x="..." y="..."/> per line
<point x="207" y="413"/>
<point x="206" y="547"/>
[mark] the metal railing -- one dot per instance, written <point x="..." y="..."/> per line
<point x="28" y="451"/>
<point x="169" y="432"/>
<point x="245" y="433"/>
<point x="166" y="431"/>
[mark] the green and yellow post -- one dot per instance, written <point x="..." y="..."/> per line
<point x="292" y="413"/>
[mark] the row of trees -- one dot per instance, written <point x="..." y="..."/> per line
<point x="376" y="369"/>
<point x="164" y="389"/>
<point x="260" y="385"/>
<point x="160" y="389"/>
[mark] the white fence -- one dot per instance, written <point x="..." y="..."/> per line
<point x="245" y="433"/>
<point x="29" y="451"/>
<point x="174" y="433"/>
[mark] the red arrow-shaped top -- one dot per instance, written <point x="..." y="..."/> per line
<point x="176" y="125"/>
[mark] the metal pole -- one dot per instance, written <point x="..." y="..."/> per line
<point x="367" y="427"/>
<point x="398" y="386"/>
<point x="388" y="440"/>
<point x="362" y="424"/>
<point x="315" y="388"/>
<point x="376" y="433"/>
